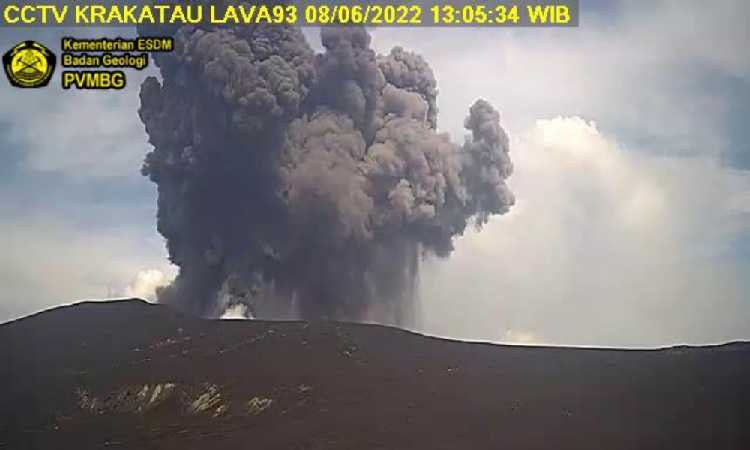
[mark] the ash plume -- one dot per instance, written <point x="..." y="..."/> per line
<point x="308" y="185"/>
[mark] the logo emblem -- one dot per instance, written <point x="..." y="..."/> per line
<point x="29" y="65"/>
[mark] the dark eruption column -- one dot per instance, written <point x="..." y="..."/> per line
<point x="307" y="185"/>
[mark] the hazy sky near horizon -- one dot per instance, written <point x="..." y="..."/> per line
<point x="632" y="176"/>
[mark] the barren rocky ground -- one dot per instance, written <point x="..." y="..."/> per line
<point x="129" y="375"/>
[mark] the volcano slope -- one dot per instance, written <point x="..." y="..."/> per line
<point x="129" y="375"/>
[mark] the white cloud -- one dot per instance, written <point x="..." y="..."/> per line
<point x="145" y="283"/>
<point x="604" y="247"/>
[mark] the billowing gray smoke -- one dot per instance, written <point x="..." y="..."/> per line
<point x="309" y="185"/>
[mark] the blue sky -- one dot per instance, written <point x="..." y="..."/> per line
<point x="629" y="140"/>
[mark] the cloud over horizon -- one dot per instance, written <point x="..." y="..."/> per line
<point x="605" y="245"/>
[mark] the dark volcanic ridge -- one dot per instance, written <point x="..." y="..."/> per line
<point x="127" y="374"/>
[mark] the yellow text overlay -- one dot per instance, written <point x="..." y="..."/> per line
<point x="447" y="13"/>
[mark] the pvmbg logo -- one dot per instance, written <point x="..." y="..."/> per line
<point x="29" y="65"/>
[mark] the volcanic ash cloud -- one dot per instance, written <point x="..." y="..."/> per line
<point x="308" y="185"/>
